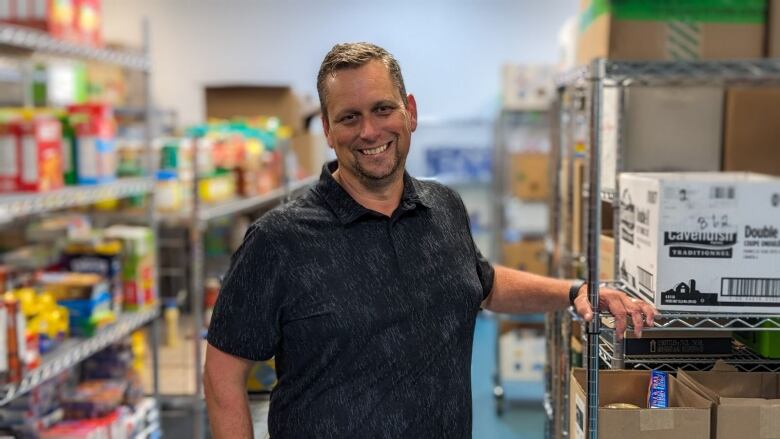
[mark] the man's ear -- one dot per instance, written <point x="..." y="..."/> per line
<point x="411" y="108"/>
<point x="326" y="129"/>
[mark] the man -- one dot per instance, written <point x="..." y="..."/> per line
<point x="366" y="289"/>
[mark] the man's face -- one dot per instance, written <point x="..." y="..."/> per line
<point x="368" y="125"/>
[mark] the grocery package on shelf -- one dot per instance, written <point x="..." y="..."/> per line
<point x="102" y="397"/>
<point x="627" y="399"/>
<point x="31" y="158"/>
<point x="43" y="149"/>
<point x="137" y="261"/>
<point x="234" y="158"/>
<point x="72" y="20"/>
<point x="701" y="242"/>
<point x="35" y="411"/>
<point x="86" y="296"/>
<point x="79" y="282"/>
<point x="682" y="30"/>
<point x="95" y="152"/>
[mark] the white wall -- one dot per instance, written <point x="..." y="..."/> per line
<point x="450" y="51"/>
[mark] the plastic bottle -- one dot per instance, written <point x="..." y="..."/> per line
<point x="171" y="315"/>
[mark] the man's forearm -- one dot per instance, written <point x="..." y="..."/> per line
<point x="517" y="291"/>
<point x="228" y="409"/>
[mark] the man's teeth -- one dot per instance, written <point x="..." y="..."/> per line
<point x="376" y="150"/>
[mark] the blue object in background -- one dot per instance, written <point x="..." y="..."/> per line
<point x="459" y="162"/>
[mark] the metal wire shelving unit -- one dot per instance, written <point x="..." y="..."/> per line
<point x="24" y="44"/>
<point x="586" y="122"/>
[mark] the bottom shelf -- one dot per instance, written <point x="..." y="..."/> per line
<point x="74" y="350"/>
<point x="742" y="358"/>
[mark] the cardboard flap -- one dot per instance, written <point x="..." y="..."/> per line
<point x="744" y="385"/>
<point x="681" y="395"/>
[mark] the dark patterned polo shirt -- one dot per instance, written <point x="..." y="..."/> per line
<point x="371" y="318"/>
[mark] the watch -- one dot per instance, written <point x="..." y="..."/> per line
<point x="574" y="289"/>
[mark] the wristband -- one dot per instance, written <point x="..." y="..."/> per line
<point x="574" y="289"/>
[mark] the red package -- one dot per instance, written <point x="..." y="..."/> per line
<point x="53" y="16"/>
<point x="87" y="22"/>
<point x="39" y="146"/>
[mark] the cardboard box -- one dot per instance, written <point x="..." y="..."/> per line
<point x="522" y="355"/>
<point x="746" y="404"/>
<point x="607" y="257"/>
<point x="528" y="255"/>
<point x="672" y="342"/>
<point x="751" y="130"/>
<point x="773" y="29"/>
<point x="688" y="415"/>
<point x="701" y="242"/>
<point x="666" y="129"/>
<point x="527" y="87"/>
<point x="530" y="176"/>
<point x="643" y="30"/>
<point x="226" y="102"/>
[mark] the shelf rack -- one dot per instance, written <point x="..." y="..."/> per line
<point x="22" y="39"/>
<point x="19" y="205"/>
<point x="23" y="43"/>
<point x="581" y="98"/>
<point x="75" y="350"/>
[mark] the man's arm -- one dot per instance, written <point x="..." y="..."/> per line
<point x="224" y="383"/>
<point x="517" y="291"/>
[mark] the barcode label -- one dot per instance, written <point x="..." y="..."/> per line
<point x="722" y="193"/>
<point x="645" y="278"/>
<point x="744" y="287"/>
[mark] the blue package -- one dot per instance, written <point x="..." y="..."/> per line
<point x="658" y="393"/>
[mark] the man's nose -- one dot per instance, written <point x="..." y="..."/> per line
<point x="369" y="130"/>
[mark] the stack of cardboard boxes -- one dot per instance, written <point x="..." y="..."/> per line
<point x="718" y="404"/>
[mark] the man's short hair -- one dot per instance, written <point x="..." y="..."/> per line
<point x="351" y="56"/>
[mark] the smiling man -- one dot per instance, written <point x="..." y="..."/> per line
<point x="366" y="289"/>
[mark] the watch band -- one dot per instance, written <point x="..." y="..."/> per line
<point x="574" y="289"/>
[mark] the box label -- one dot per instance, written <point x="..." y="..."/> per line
<point x="701" y="242"/>
<point x="579" y="418"/>
<point x="8" y="162"/>
<point x="29" y="160"/>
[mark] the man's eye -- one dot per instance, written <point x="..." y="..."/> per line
<point x="348" y="118"/>
<point x="384" y="109"/>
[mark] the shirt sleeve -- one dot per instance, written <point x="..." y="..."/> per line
<point x="485" y="270"/>
<point x="246" y="317"/>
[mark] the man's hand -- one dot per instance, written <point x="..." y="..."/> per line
<point x="619" y="305"/>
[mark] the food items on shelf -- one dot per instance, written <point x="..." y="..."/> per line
<point x="95" y="128"/>
<point x="72" y="20"/>
<point x="137" y="260"/>
<point x="658" y="390"/>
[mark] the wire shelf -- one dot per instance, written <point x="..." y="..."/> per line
<point x="742" y="358"/>
<point x="18" y="205"/>
<point x="33" y="40"/>
<point x="622" y="73"/>
<point x="75" y="350"/>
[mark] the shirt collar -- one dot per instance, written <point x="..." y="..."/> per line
<point x="348" y="210"/>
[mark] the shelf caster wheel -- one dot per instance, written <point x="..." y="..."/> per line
<point x="498" y="394"/>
